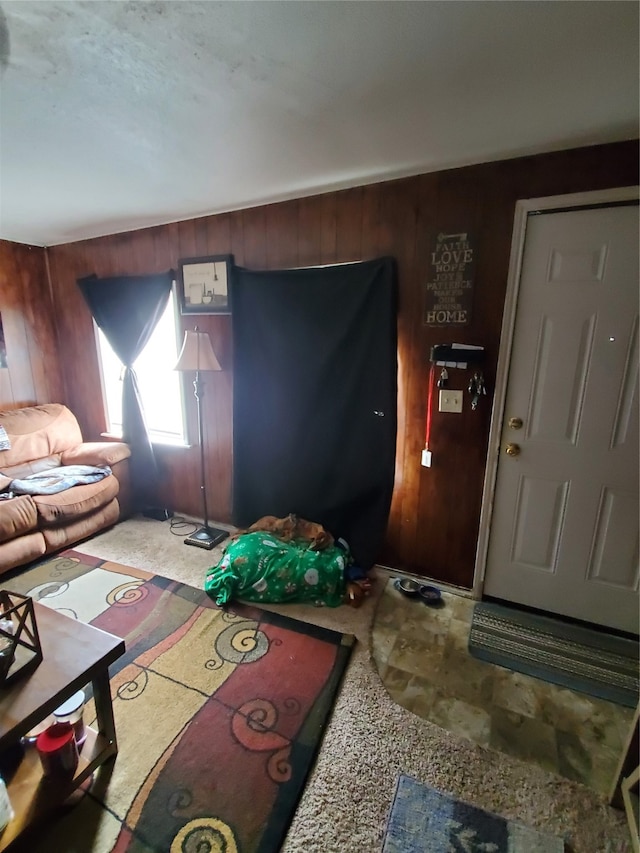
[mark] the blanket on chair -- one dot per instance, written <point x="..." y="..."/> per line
<point x="58" y="479"/>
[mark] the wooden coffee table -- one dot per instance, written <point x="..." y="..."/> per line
<point x="74" y="654"/>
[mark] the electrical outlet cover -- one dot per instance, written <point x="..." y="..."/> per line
<point x="450" y="401"/>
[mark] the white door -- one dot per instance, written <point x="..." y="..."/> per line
<point x="564" y="529"/>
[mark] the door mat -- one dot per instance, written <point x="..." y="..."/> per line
<point x="422" y="819"/>
<point x="219" y="713"/>
<point x="573" y="656"/>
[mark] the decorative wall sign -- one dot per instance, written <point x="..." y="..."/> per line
<point x="204" y="285"/>
<point x="450" y="278"/>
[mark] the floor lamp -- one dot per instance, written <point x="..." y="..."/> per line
<point x="196" y="355"/>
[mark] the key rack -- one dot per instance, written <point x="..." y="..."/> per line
<point x="456" y="355"/>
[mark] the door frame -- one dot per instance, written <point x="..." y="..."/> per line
<point x="523" y="208"/>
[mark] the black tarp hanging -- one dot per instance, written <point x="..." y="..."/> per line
<point x="314" y="420"/>
<point x="127" y="309"/>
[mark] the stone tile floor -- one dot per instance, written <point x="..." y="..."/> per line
<point x="422" y="657"/>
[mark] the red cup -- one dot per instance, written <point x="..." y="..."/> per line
<point x="57" y="750"/>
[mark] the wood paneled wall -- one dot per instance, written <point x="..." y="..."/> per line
<point x="32" y="374"/>
<point x="433" y="525"/>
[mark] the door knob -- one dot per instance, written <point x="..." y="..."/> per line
<point x="515" y="423"/>
<point x="512" y="450"/>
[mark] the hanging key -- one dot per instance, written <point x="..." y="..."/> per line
<point x="480" y="389"/>
<point x="475" y="389"/>
<point x="444" y="376"/>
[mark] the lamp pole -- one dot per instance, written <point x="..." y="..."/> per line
<point x="198" y="390"/>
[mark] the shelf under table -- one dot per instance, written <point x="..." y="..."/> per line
<point x="74" y="654"/>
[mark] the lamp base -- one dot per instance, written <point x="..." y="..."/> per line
<point x="206" y="537"/>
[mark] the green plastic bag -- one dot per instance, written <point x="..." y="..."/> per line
<point x="260" y="567"/>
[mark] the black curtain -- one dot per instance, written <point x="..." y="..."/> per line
<point x="314" y="419"/>
<point x="127" y="310"/>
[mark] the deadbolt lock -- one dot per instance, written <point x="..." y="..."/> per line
<point x="515" y="423"/>
<point x="512" y="450"/>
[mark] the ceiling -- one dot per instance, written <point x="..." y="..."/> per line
<point x="119" y="115"/>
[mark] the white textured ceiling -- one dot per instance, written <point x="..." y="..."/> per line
<point x="118" y="115"/>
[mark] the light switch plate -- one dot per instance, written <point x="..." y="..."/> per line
<point x="450" y="401"/>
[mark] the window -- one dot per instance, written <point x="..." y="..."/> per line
<point x="159" y="384"/>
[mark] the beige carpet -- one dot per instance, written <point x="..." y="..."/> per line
<point x="370" y="739"/>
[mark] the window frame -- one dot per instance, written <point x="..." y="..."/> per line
<point x="155" y="436"/>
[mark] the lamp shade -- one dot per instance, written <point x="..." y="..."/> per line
<point x="197" y="353"/>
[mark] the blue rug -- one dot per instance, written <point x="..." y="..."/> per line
<point x="583" y="659"/>
<point x="424" y="821"/>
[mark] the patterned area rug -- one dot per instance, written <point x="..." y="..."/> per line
<point x="423" y="819"/>
<point x="580" y="658"/>
<point x="219" y="715"/>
